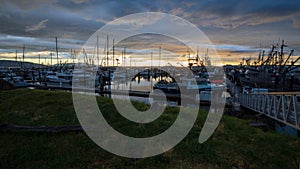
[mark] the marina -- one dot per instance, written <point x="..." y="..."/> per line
<point x="150" y="84"/>
<point x="263" y="79"/>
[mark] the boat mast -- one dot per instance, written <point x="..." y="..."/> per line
<point x="56" y="50"/>
<point x="259" y="55"/>
<point x="74" y="56"/>
<point x="23" y="56"/>
<point x="16" y="55"/>
<point x="113" y="52"/>
<point x="124" y="55"/>
<point x="50" y="58"/>
<point x="98" y="50"/>
<point x="159" y="56"/>
<point x="107" y="51"/>
<point x="262" y="56"/>
<point x="270" y="55"/>
<point x="151" y="83"/>
<point x="197" y="56"/>
<point x="281" y="56"/>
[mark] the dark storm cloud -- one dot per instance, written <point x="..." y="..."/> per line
<point x="257" y="7"/>
<point x="17" y="18"/>
<point x="231" y="14"/>
<point x="212" y="13"/>
<point x="232" y="22"/>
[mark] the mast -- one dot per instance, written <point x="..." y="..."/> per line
<point x="56" y="50"/>
<point x="159" y="63"/>
<point x="151" y="61"/>
<point x="74" y="56"/>
<point x="270" y="55"/>
<point x="98" y="50"/>
<point x="292" y="63"/>
<point x="124" y="54"/>
<point x="260" y="54"/>
<point x="71" y="53"/>
<point x="113" y="52"/>
<point x="107" y="51"/>
<point x="39" y="59"/>
<point x="292" y="51"/>
<point x="16" y="55"/>
<point x="51" y="58"/>
<point x="281" y="56"/>
<point x="151" y="72"/>
<point x="129" y="57"/>
<point x="197" y="56"/>
<point x="159" y="56"/>
<point x="23" y="55"/>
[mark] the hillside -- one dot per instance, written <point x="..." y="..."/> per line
<point x="11" y="63"/>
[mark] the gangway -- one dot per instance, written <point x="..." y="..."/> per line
<point x="280" y="106"/>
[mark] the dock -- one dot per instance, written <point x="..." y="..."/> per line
<point x="175" y="97"/>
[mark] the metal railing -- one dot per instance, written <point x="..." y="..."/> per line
<point x="280" y="106"/>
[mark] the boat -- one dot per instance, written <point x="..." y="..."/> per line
<point x="57" y="77"/>
<point x="274" y="72"/>
<point x="187" y="84"/>
<point x="167" y="86"/>
<point x="11" y="78"/>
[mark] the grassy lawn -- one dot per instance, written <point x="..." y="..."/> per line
<point x="233" y="145"/>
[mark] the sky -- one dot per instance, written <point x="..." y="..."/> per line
<point x="237" y="28"/>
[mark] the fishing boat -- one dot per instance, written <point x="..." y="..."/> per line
<point x="275" y="71"/>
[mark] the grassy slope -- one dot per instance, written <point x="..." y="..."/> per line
<point x="233" y="145"/>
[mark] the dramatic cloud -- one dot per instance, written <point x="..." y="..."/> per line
<point x="39" y="26"/>
<point x="233" y="25"/>
<point x="233" y="13"/>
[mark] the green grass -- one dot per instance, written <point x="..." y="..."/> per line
<point x="233" y="145"/>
